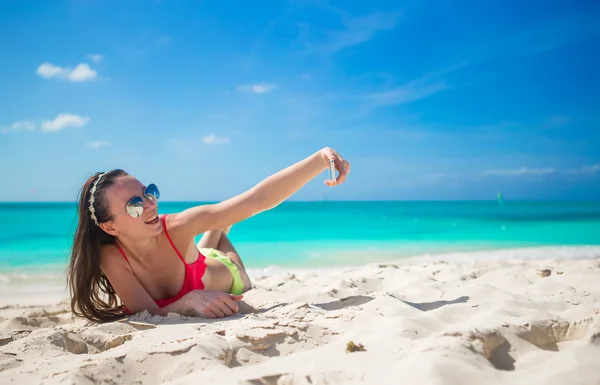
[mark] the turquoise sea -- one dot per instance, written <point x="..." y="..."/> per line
<point x="37" y="236"/>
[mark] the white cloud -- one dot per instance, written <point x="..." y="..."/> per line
<point x="525" y="171"/>
<point x="355" y="31"/>
<point x="95" y="57"/>
<point x="420" y="88"/>
<point x="23" y="125"/>
<point x="519" y="172"/>
<point x="259" y="88"/>
<point x="97" y="144"/>
<point x="48" y="70"/>
<point x="215" y="139"/>
<point x="63" y="121"/>
<point x="591" y="169"/>
<point x="81" y="73"/>
<point x="594" y="168"/>
<point x="409" y="93"/>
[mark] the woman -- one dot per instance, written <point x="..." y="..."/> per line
<point x="123" y="250"/>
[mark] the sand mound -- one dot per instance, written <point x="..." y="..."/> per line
<point x="428" y="321"/>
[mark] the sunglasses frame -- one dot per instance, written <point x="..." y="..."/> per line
<point x="135" y="206"/>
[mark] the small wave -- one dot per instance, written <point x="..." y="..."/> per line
<point x="18" y="275"/>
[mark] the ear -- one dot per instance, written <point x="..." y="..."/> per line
<point x="109" y="228"/>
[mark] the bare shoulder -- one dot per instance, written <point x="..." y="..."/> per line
<point x="178" y="227"/>
<point x="120" y="275"/>
<point x="112" y="260"/>
<point x="174" y="221"/>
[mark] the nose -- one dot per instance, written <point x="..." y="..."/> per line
<point x="149" y="203"/>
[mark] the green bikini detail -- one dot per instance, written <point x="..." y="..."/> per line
<point x="238" y="285"/>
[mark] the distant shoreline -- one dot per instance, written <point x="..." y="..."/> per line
<point x="492" y="200"/>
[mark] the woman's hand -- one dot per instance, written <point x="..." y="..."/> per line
<point x="341" y="165"/>
<point x="211" y="304"/>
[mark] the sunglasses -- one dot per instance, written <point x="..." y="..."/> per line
<point x="135" y="206"/>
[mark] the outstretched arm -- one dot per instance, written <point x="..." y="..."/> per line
<point x="264" y="196"/>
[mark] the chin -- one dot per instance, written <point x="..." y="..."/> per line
<point x="144" y="230"/>
<point x="155" y="229"/>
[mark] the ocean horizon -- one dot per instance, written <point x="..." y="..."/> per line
<point x="37" y="236"/>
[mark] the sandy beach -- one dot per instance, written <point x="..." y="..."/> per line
<point x="507" y="317"/>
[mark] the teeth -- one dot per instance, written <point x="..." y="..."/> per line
<point x="150" y="219"/>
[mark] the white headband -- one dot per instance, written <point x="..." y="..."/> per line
<point x="92" y="199"/>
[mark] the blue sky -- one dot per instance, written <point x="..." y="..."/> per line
<point x="426" y="99"/>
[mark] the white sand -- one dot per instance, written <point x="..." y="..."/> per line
<point x="481" y="318"/>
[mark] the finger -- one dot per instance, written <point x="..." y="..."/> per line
<point x="338" y="160"/>
<point x="220" y="312"/>
<point x="215" y="307"/>
<point x="341" y="166"/>
<point x="230" y="303"/>
<point x="227" y="311"/>
<point x="343" y="171"/>
<point x="346" y="167"/>
<point x="236" y="297"/>
<point x="224" y="310"/>
<point x="331" y="182"/>
<point x="210" y="314"/>
<point x="341" y="178"/>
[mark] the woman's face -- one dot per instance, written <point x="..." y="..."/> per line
<point x="122" y="223"/>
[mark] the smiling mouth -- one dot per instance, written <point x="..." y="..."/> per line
<point x="152" y="220"/>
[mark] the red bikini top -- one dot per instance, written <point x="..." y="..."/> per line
<point x="193" y="271"/>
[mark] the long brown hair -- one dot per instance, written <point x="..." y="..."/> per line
<point x="92" y="295"/>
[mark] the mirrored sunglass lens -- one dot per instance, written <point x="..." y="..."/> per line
<point x="135" y="207"/>
<point x="152" y="191"/>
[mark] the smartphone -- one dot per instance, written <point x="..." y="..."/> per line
<point x="332" y="175"/>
